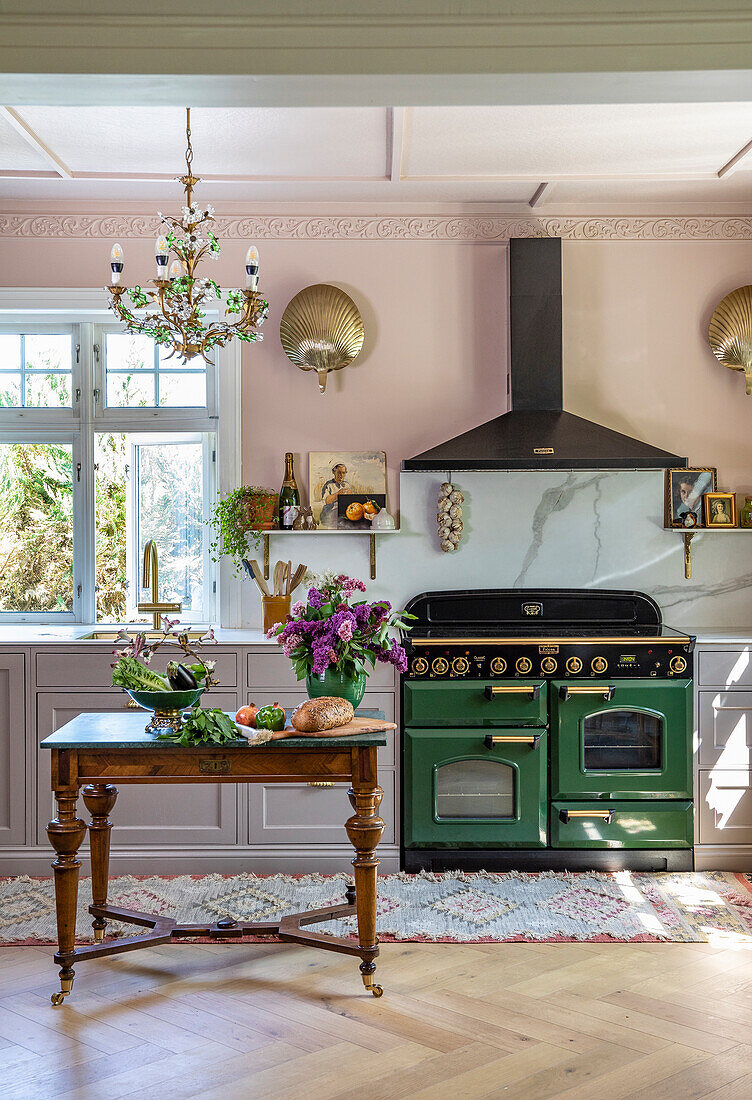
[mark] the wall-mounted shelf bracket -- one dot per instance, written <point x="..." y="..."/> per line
<point x="688" y="536"/>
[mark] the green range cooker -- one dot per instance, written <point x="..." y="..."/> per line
<point x="546" y="729"/>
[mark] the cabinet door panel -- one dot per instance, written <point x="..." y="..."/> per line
<point x="724" y="667"/>
<point x="173" y="814"/>
<point x="297" y="813"/>
<point x="725" y="727"/>
<point x="273" y="669"/>
<point x="725" y="806"/>
<point x="12" y="748"/>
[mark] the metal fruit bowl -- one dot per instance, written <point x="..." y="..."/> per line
<point x="167" y="706"/>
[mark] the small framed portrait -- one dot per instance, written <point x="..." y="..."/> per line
<point x="720" y="509"/>
<point x="684" y="491"/>
<point x="343" y="473"/>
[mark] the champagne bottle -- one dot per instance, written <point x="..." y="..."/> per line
<point x="289" y="497"/>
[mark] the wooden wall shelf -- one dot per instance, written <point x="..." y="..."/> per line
<point x="372" y="536"/>
<point x="689" y="533"/>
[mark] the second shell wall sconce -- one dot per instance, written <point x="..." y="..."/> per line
<point x="449" y="517"/>
<point x="322" y="330"/>
<point x="730" y="332"/>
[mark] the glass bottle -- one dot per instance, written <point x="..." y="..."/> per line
<point x="745" y="515"/>
<point x="289" y="497"/>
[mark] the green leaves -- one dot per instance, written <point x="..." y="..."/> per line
<point x="204" y="727"/>
<point x="130" y="673"/>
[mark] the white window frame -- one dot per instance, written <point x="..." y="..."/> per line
<point x="32" y="308"/>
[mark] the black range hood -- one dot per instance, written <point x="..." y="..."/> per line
<point x="538" y="434"/>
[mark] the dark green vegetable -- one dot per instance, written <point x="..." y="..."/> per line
<point x="204" y="727"/>
<point x="130" y="673"/>
<point x="271" y="717"/>
<point x="180" y="677"/>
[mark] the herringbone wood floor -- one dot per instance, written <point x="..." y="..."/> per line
<point x="461" y="1021"/>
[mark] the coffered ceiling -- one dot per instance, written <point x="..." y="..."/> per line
<point x="526" y="156"/>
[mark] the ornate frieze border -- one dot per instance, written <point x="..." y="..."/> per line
<point x="404" y="227"/>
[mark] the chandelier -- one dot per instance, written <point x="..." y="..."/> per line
<point x="174" y="312"/>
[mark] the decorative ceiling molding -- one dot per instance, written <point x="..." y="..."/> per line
<point x="457" y="228"/>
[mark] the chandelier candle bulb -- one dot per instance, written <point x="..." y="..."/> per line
<point x="251" y="268"/>
<point x="176" y="269"/>
<point x="161" y="255"/>
<point x="116" y="263"/>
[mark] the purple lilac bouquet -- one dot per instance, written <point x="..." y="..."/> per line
<point x="332" y="630"/>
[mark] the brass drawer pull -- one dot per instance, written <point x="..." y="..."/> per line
<point x="531" y="739"/>
<point x="565" y="816"/>
<point x="320" y="784"/>
<point x="533" y="690"/>
<point x="606" y="690"/>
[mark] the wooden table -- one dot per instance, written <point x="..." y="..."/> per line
<point x="93" y="752"/>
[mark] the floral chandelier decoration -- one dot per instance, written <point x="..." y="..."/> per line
<point x="174" y="312"/>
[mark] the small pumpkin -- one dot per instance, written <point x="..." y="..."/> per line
<point x="354" y="511"/>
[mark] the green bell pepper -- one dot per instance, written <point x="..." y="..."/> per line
<point x="271" y="717"/>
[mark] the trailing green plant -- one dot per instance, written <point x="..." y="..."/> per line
<point x="232" y="523"/>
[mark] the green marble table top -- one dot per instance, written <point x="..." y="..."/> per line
<point x="125" y="730"/>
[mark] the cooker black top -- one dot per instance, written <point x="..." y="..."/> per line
<point x="536" y="613"/>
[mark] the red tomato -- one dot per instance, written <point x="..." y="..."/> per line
<point x="246" y="716"/>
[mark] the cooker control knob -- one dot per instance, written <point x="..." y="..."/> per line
<point x="677" y="664"/>
<point x="548" y="664"/>
<point x="523" y="665"/>
<point x="440" y="665"/>
<point x="574" y="665"/>
<point x="498" y="666"/>
<point x="599" y="664"/>
<point x="460" y="665"/>
<point x="420" y="666"/>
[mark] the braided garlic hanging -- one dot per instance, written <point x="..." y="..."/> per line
<point x="449" y="517"/>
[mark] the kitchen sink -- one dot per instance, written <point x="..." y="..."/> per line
<point x="150" y="635"/>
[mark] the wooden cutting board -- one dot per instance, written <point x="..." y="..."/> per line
<point x="357" y="725"/>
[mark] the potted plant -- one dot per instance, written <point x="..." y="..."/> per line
<point x="331" y="638"/>
<point x="240" y="515"/>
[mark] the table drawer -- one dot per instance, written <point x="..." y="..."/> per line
<point x="382" y="702"/>
<point x="475" y="703"/>
<point x="273" y="670"/>
<point x="724" y="667"/>
<point x="724" y="806"/>
<point x="621" y="825"/>
<point x="725" y="728"/>
<point x="90" y="667"/>
<point x="298" y="813"/>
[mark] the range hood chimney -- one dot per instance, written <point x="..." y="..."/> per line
<point x="538" y="434"/>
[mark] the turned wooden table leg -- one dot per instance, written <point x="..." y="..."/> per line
<point x="365" y="829"/>
<point x="99" y="799"/>
<point x="66" y="832"/>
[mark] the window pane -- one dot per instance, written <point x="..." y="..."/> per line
<point x="620" y="740"/>
<point x="475" y="789"/>
<point x="130" y="391"/>
<point x="48" y="391"/>
<point x="177" y="390"/>
<point x="36" y="527"/>
<point x="10" y="390"/>
<point x="39" y="370"/>
<point x="124" y="352"/>
<point x="110" y="457"/>
<point x="170" y="511"/>
<point x="10" y="351"/>
<point x="45" y="352"/>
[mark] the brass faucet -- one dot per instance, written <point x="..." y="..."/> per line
<point x="151" y="576"/>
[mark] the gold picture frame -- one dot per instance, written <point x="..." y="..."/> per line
<point x="720" y="510"/>
<point x="684" y="490"/>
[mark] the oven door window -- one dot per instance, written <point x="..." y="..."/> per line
<point x="622" y="740"/>
<point x="470" y="789"/>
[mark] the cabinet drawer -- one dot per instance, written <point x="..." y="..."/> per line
<point x="475" y="703"/>
<point x="274" y="670"/>
<point x="621" y="825"/>
<point x="725" y="806"/>
<point x="296" y="813"/>
<point x="725" y="728"/>
<point x="89" y="667"/>
<point x="724" y="667"/>
<point x="372" y="701"/>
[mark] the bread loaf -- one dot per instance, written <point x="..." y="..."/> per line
<point x="325" y="713"/>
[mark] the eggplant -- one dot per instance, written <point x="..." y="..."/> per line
<point x="180" y="677"/>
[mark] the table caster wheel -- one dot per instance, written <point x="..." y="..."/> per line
<point x="57" y="998"/>
<point x="377" y="991"/>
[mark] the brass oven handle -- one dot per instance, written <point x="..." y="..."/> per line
<point x="320" y="784"/>
<point x="531" y="739"/>
<point x="533" y="690"/>
<point x="606" y="690"/>
<point x="565" y="816"/>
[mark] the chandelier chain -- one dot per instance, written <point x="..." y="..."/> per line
<point x="189" y="147"/>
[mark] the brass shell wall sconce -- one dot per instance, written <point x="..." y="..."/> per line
<point x="730" y="332"/>
<point x="322" y="330"/>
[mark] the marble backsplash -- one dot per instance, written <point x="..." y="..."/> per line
<point x="561" y="529"/>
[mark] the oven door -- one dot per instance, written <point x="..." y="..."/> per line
<point x="624" y="739"/>
<point x="472" y="788"/>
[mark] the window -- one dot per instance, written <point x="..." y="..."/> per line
<point x="622" y="740"/>
<point x="475" y="789"/>
<point x="105" y="443"/>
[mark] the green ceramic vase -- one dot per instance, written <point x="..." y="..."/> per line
<point x="337" y="684"/>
